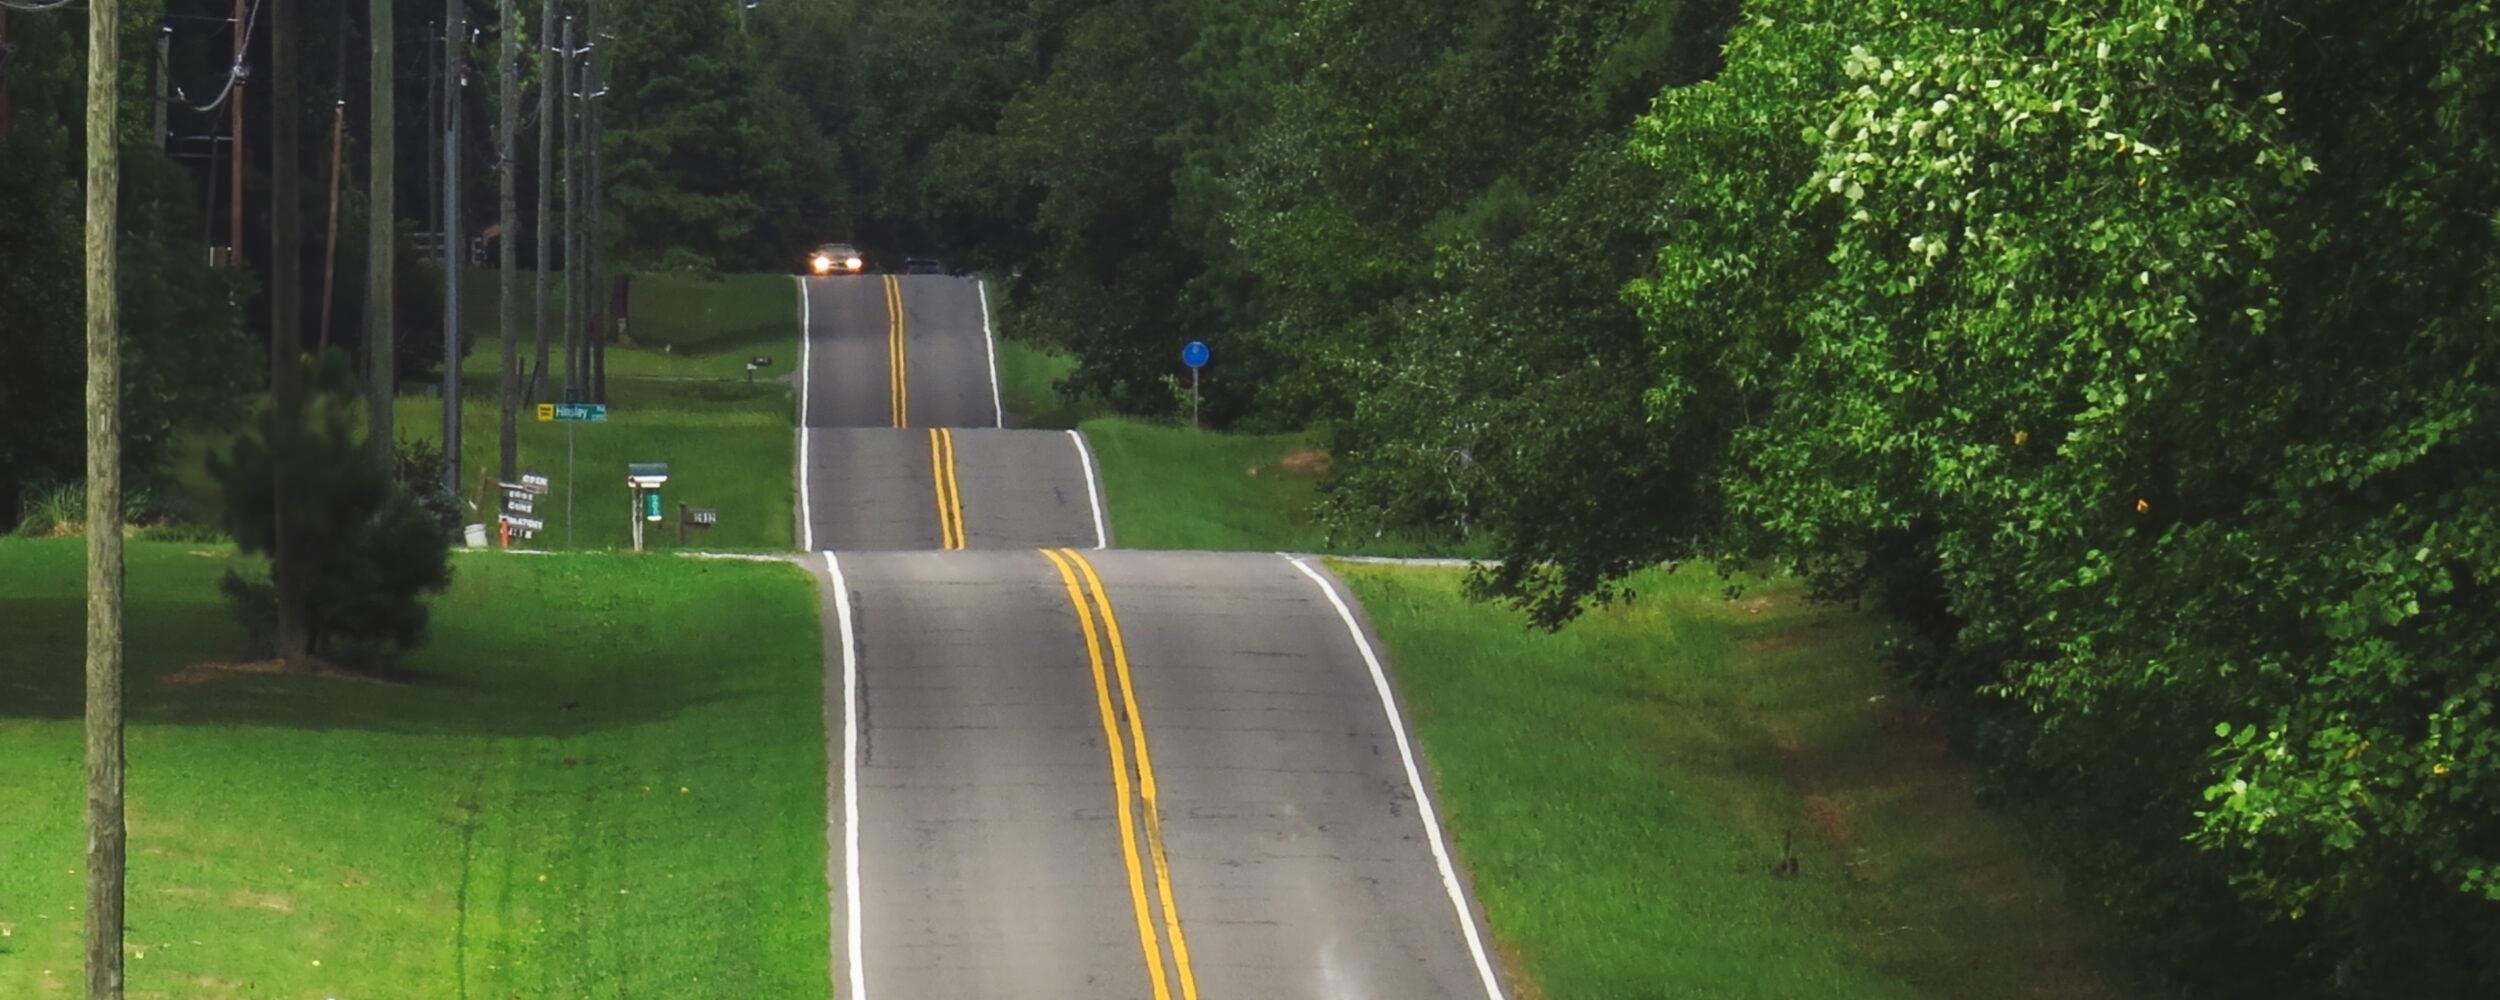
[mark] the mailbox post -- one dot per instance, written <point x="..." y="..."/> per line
<point x="644" y="479"/>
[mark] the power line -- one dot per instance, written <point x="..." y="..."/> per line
<point x="234" y="74"/>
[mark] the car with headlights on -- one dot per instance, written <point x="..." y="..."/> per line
<point x="836" y="258"/>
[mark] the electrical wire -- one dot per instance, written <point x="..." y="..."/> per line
<point x="234" y="74"/>
<point x="38" y="6"/>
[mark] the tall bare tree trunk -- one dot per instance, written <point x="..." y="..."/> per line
<point x="286" y="337"/>
<point x="508" y="121"/>
<point x="382" y="369"/>
<point x="546" y="182"/>
<point x="107" y="841"/>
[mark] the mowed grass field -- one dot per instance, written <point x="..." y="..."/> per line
<point x="604" y="777"/>
<point x="675" y="325"/>
<point x="728" y="446"/>
<point x="1622" y="792"/>
<point x="678" y="393"/>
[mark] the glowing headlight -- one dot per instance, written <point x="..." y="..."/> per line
<point x="821" y="264"/>
<point x="853" y="263"/>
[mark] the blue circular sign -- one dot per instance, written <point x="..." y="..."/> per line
<point x="1195" y="355"/>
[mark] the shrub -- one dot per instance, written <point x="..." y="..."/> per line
<point x="365" y="550"/>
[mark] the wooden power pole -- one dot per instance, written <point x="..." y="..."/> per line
<point x="546" y="185"/>
<point x="454" y="231"/>
<point x="507" y="121"/>
<point x="382" y="370"/>
<point x="286" y="243"/>
<point x="234" y="194"/>
<point x="107" y="837"/>
<point x="572" y="253"/>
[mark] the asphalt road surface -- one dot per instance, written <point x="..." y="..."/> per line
<point x="901" y="441"/>
<point x="1209" y="796"/>
<point x="1066" y="772"/>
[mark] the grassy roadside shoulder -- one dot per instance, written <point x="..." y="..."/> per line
<point x="1173" y="487"/>
<point x="574" y="791"/>
<point x="1623" y="791"/>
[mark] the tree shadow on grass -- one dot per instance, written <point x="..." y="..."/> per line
<point x="179" y="657"/>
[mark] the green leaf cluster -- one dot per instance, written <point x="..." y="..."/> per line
<point x="2139" y="358"/>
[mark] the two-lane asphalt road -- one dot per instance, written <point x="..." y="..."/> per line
<point x="1111" y="775"/>
<point x="902" y="444"/>
<point x="1065" y="772"/>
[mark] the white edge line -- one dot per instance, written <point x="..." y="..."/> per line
<point x="850" y="776"/>
<point x="989" y="341"/>
<point x="1093" y="493"/>
<point x="1414" y="779"/>
<point x="807" y="373"/>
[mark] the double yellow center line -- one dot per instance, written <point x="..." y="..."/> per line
<point x="950" y="495"/>
<point x="898" y="365"/>
<point x="1135" y="798"/>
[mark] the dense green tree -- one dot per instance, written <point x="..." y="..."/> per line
<point x="2137" y="360"/>
<point x="370" y="548"/>
<point x="706" y="161"/>
<point x="183" y="348"/>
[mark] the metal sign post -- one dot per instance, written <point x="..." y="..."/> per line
<point x="570" y="414"/>
<point x="1195" y="356"/>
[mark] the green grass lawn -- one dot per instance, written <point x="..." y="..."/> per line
<point x="1176" y="488"/>
<point x="676" y="326"/>
<point x="579" y="791"/>
<point x="1027" y="386"/>
<point x="688" y="313"/>
<point x="1621" y="792"/>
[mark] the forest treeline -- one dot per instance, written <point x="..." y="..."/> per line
<point x="2134" y="357"/>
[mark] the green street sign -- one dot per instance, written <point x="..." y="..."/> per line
<point x="651" y="506"/>
<point x="596" y="413"/>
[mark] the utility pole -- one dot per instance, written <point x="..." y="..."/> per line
<point x="338" y="152"/>
<point x="455" y="245"/>
<point x="546" y="183"/>
<point x="330" y="245"/>
<point x="595" y="281"/>
<point x="382" y="369"/>
<point x="434" y="131"/>
<point x="572" y="257"/>
<point x="4" y="76"/>
<point x="286" y="309"/>
<point x="234" y="196"/>
<point x="107" y="837"/>
<point x="164" y="82"/>
<point x="507" y="121"/>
